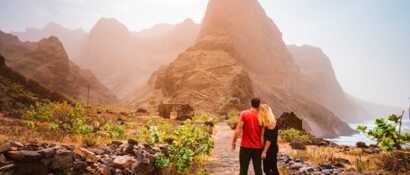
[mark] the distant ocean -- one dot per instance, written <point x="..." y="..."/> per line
<point x="352" y="140"/>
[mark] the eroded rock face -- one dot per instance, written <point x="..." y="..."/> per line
<point x="206" y="76"/>
<point x="47" y="63"/>
<point x="256" y="39"/>
<point x="320" y="84"/>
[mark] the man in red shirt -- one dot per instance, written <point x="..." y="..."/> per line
<point x="251" y="143"/>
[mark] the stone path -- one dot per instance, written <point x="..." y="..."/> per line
<point x="224" y="161"/>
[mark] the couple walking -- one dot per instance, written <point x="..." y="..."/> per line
<point x="259" y="139"/>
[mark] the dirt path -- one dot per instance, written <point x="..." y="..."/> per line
<point x="224" y="161"/>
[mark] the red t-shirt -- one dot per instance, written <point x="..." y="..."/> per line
<point x="252" y="131"/>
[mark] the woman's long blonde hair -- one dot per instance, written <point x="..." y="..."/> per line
<point x="266" y="116"/>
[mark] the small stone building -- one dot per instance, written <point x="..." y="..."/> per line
<point x="182" y="111"/>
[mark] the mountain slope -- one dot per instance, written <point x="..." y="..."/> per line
<point x="124" y="60"/>
<point x="73" y="40"/>
<point x="239" y="54"/>
<point x="321" y="85"/>
<point x="18" y="93"/>
<point x="47" y="63"/>
<point x="257" y="40"/>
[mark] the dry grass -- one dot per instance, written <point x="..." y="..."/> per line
<point x="358" y="160"/>
<point x="283" y="171"/>
<point x="17" y="129"/>
<point x="316" y="155"/>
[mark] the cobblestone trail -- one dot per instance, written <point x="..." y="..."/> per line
<point x="224" y="161"/>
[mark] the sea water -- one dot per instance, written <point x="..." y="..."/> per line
<point x="352" y="140"/>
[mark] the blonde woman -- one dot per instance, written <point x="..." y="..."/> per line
<point x="270" y="136"/>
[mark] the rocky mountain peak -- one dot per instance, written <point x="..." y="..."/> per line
<point x="245" y="22"/>
<point x="188" y="21"/>
<point x="239" y="54"/>
<point x="53" y="48"/>
<point x="105" y="25"/>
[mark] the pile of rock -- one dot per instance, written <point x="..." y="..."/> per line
<point x="130" y="158"/>
<point x="299" y="167"/>
<point x="368" y="149"/>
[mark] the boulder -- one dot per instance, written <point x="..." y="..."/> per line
<point x="79" y="167"/>
<point x="86" y="154"/>
<point x="6" y="167"/>
<point x="5" y="147"/>
<point x="23" y="156"/>
<point x="290" y="120"/>
<point x="124" y="161"/>
<point x="297" y="145"/>
<point x="63" y="160"/>
<point x="183" y="111"/>
<point x="142" y="111"/>
<point x="361" y="145"/>
<point x="48" y="152"/>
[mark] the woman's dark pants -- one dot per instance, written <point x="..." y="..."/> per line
<point x="270" y="164"/>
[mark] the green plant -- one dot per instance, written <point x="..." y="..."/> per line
<point x="386" y="133"/>
<point x="203" y="171"/>
<point x="292" y="134"/>
<point x="155" y="135"/>
<point x="62" y="119"/>
<point x="161" y="161"/>
<point x="203" y="117"/>
<point x="114" y="131"/>
<point x="18" y="89"/>
<point x="154" y="132"/>
<point x="189" y="141"/>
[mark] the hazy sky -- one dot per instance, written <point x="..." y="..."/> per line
<point x="368" y="41"/>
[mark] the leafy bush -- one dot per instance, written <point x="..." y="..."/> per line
<point x="154" y="132"/>
<point x="161" y="161"/>
<point x="386" y="133"/>
<point x="292" y="134"/>
<point x="203" y="117"/>
<point x="63" y="119"/>
<point x="114" y="131"/>
<point x="189" y="140"/>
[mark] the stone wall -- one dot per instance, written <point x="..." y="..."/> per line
<point x="129" y="158"/>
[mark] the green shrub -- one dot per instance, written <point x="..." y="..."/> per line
<point x="386" y="133"/>
<point x="203" y="117"/>
<point x="189" y="140"/>
<point x="154" y="132"/>
<point x="161" y="161"/>
<point x="292" y="134"/>
<point x="113" y="130"/>
<point x="64" y="119"/>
